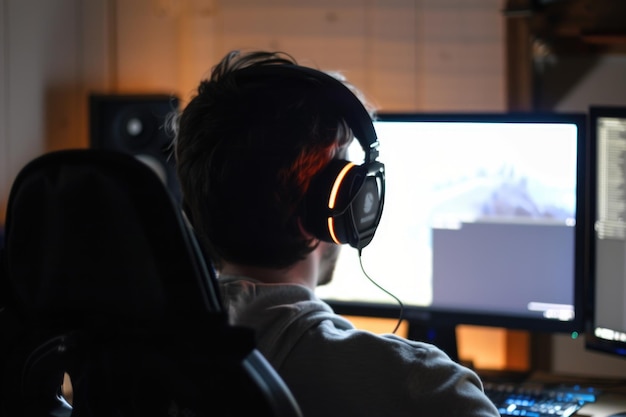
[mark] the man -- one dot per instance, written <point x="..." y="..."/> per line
<point x="252" y="148"/>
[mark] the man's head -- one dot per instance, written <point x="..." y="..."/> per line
<point x="247" y="149"/>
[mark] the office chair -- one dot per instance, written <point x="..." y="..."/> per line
<point x="103" y="283"/>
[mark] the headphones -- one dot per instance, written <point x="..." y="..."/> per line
<point x="344" y="202"/>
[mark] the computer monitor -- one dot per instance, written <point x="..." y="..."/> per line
<point x="606" y="325"/>
<point x="481" y="225"/>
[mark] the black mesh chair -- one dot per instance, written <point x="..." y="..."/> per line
<point x="103" y="284"/>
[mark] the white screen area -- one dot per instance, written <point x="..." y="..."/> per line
<point x="477" y="216"/>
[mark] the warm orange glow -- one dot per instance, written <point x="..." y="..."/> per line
<point x="331" y="229"/>
<point x="333" y="194"/>
<point x="332" y="200"/>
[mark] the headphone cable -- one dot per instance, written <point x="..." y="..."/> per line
<point x="400" y="304"/>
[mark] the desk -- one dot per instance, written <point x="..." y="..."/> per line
<point x="611" y="400"/>
<point x="608" y="403"/>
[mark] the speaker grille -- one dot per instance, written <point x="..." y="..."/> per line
<point x="134" y="124"/>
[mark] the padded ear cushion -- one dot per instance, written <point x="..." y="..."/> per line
<point x="344" y="203"/>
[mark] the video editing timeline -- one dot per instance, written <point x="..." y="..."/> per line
<point x="480" y="217"/>
<point x="611" y="198"/>
<point x="610" y="230"/>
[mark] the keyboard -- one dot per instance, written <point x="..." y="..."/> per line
<point x="538" y="400"/>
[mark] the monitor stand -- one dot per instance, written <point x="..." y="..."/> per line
<point x="442" y="336"/>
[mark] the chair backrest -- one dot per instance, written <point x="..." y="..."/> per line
<point x="103" y="282"/>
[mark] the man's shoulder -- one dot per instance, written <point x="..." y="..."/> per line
<point x="357" y="341"/>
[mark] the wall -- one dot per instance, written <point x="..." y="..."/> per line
<point x="51" y="53"/>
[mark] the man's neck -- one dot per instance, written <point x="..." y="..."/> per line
<point x="302" y="273"/>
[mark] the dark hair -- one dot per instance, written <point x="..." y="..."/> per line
<point x="246" y="151"/>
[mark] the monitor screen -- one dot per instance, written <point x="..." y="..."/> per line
<point x="606" y="327"/>
<point x="480" y="223"/>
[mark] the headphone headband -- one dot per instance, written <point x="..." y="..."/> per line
<point x="346" y="102"/>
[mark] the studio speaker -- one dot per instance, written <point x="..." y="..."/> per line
<point x="134" y="124"/>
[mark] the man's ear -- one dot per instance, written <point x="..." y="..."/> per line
<point x="304" y="232"/>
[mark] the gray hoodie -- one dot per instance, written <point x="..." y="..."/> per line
<point x="334" y="369"/>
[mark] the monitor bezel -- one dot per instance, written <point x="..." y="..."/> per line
<point x="592" y="342"/>
<point x="435" y="317"/>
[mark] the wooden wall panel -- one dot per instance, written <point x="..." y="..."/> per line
<point x="404" y="54"/>
<point x="461" y="58"/>
<point x="146" y="47"/>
